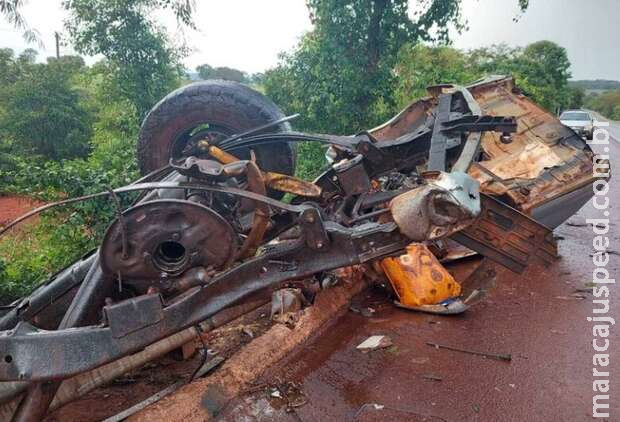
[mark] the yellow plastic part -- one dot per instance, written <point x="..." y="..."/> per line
<point x="277" y="181"/>
<point x="418" y="278"/>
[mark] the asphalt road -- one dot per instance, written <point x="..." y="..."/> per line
<point x="540" y="318"/>
<point x="614" y="127"/>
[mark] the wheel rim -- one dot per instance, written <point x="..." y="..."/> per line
<point x="184" y="144"/>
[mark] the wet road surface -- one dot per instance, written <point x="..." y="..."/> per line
<point x="538" y="317"/>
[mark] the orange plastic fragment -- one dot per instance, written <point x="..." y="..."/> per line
<point x="418" y="278"/>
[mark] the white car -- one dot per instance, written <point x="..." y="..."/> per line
<point x="580" y="121"/>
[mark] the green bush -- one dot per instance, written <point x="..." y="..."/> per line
<point x="30" y="253"/>
<point x="36" y="251"/>
<point x="606" y="103"/>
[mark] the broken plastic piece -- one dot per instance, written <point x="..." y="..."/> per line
<point x="419" y="279"/>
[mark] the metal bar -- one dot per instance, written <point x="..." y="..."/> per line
<point x="83" y="310"/>
<point x="503" y="356"/>
<point x="48" y="294"/>
<point x="158" y="185"/>
<point x="147" y="402"/>
<point x="259" y="128"/>
<point x="437" y="152"/>
<point x="469" y="153"/>
<point x="81" y="384"/>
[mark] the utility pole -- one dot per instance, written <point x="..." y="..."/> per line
<point x="57" y="36"/>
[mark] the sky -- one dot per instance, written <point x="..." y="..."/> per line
<point x="249" y="34"/>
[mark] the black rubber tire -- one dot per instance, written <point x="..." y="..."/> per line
<point x="223" y="103"/>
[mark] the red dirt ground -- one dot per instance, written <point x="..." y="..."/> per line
<point x="12" y="206"/>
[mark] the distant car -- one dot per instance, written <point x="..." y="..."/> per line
<point x="580" y="121"/>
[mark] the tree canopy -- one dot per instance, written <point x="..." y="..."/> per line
<point x="205" y="71"/>
<point x="42" y="113"/>
<point x="145" y="66"/>
<point x="606" y="103"/>
<point x="541" y="70"/>
<point x="340" y="76"/>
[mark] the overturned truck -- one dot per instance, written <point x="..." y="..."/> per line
<point x="480" y="169"/>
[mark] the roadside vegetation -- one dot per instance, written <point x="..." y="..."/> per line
<point x="67" y="129"/>
<point x="607" y="103"/>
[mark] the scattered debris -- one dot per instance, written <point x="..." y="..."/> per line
<point x="375" y="342"/>
<point x="607" y="251"/>
<point x="329" y="280"/>
<point x="149" y="401"/>
<point x="365" y="311"/>
<point x="209" y="366"/>
<point x="247" y="331"/>
<point x="129" y="379"/>
<point x="504" y="357"/>
<point x="584" y="290"/>
<point x="286" y="394"/>
<point x="286" y="304"/>
<point x="374" y="406"/>
<point x="573" y="296"/>
<point x="569" y="223"/>
<point x="253" y="389"/>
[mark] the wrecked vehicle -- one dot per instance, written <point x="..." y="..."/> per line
<point x="482" y="167"/>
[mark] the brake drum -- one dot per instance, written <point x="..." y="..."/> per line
<point x="164" y="238"/>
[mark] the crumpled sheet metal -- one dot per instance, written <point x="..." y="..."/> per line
<point x="544" y="160"/>
<point x="448" y="203"/>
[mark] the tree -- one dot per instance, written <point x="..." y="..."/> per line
<point x="43" y="113"/>
<point x="340" y="77"/>
<point x="8" y="68"/>
<point x="205" y="71"/>
<point x="606" y="103"/>
<point x="540" y="69"/>
<point x="543" y="71"/>
<point x="420" y="66"/>
<point x="230" y="74"/>
<point x="576" y="98"/>
<point x="144" y="65"/>
<point x="10" y="9"/>
<point x="226" y="73"/>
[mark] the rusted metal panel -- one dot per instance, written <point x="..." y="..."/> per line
<point x="508" y="237"/>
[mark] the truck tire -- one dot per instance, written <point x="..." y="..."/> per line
<point x="219" y="108"/>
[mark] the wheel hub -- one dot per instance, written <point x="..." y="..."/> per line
<point x="165" y="238"/>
